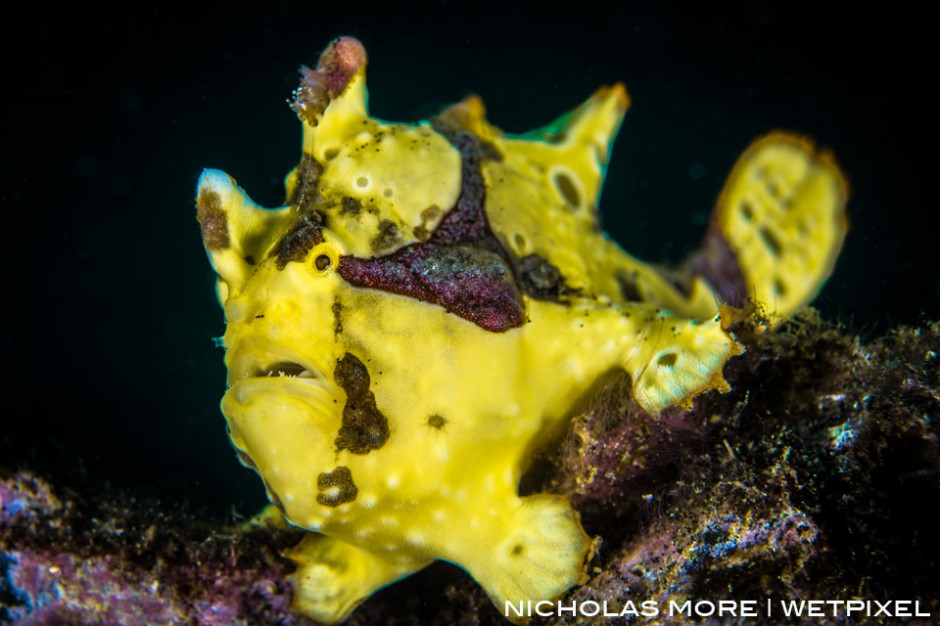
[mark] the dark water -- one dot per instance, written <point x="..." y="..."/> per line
<point x="109" y="313"/>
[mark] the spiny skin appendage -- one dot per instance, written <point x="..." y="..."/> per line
<point x="432" y="301"/>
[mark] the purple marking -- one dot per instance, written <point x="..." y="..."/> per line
<point x="462" y="267"/>
<point x="716" y="262"/>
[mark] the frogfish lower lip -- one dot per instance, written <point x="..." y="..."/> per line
<point x="285" y="378"/>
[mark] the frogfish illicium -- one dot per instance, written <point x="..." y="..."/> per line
<point x="432" y="300"/>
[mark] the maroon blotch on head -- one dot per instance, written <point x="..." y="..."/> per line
<point x="461" y="267"/>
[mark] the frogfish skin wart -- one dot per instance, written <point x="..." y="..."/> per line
<point x="431" y="301"/>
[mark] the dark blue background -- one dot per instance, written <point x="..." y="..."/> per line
<point x="108" y="119"/>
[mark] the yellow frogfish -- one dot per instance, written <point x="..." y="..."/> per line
<point x="431" y="301"/>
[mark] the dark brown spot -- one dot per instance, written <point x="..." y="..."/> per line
<point x="681" y="281"/>
<point x="336" y="487"/>
<point x="773" y="244"/>
<point x="386" y="237"/>
<point x="337" y="309"/>
<point x="540" y="279"/>
<point x="490" y="151"/>
<point x="567" y="189"/>
<point x="250" y="260"/>
<point x="296" y="243"/>
<point x="429" y="215"/>
<point x="306" y="182"/>
<point x="350" y="206"/>
<point x="747" y="211"/>
<point x="629" y="291"/>
<point x="780" y="287"/>
<point x="517" y="550"/>
<point x="437" y="421"/>
<point x="213" y="221"/>
<point x="364" y="428"/>
<point x="667" y="360"/>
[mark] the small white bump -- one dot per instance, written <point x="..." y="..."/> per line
<point x="573" y="367"/>
<point x="441" y="452"/>
<point x="445" y="491"/>
<point x="393" y="481"/>
<point x="439" y="515"/>
<point x="416" y="539"/>
<point x="365" y="533"/>
<point x="368" y="501"/>
<point x="514" y="410"/>
<point x="461" y="495"/>
<point x="489" y="483"/>
<point x="388" y="521"/>
<point x="507" y="477"/>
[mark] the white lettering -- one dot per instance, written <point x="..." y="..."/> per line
<point x="650" y="608"/>
<point x="573" y="609"/>
<point x="684" y="609"/>
<point x="814" y="608"/>
<point x="549" y="612"/>
<point x="854" y="606"/>
<point x="704" y="608"/>
<point x="509" y="606"/>
<point x="792" y="608"/>
<point x="595" y="605"/>
<point x="883" y="609"/>
<point x="748" y="608"/>
<point x="901" y="608"/>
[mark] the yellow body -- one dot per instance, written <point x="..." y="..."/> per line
<point x="463" y="407"/>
